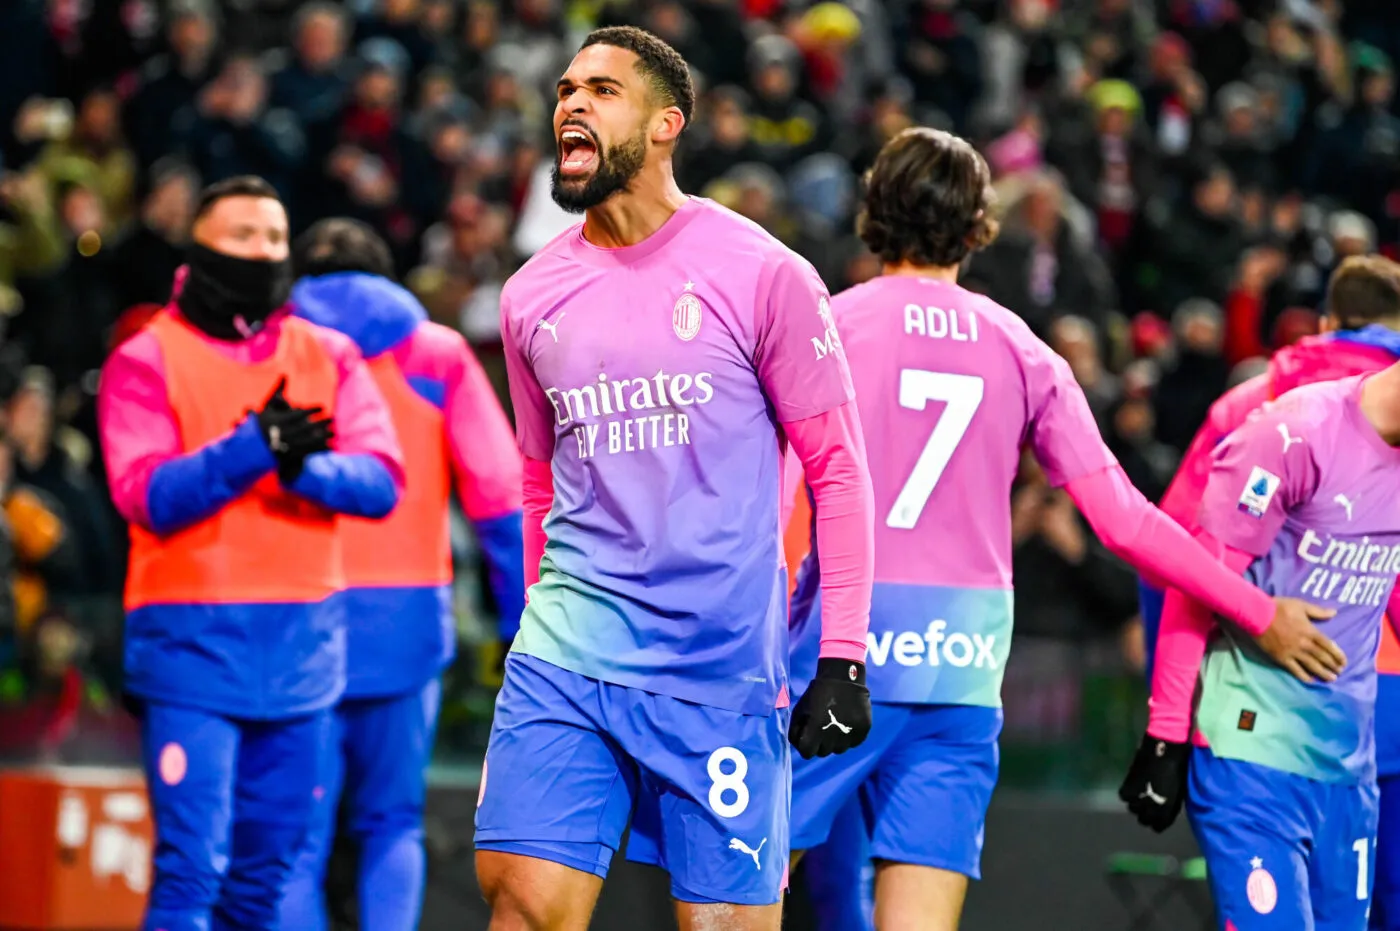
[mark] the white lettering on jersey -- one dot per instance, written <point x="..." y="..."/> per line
<point x="613" y="399"/>
<point x="933" y="647"/>
<point x="937" y="323"/>
<point x="1346" y="572"/>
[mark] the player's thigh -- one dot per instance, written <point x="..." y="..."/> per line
<point x="282" y="769"/>
<point x="190" y="758"/>
<point x="928" y="797"/>
<point x="554" y="786"/>
<point x="823" y="786"/>
<point x="713" y="799"/>
<point x="918" y="898"/>
<point x="1253" y="834"/>
<point x="1343" y="859"/>
<point x="388" y="743"/>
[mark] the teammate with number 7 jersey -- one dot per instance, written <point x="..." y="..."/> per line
<point x="949" y="387"/>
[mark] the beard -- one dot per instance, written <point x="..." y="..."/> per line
<point x="616" y="169"/>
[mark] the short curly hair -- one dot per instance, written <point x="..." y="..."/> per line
<point x="665" y="71"/>
<point x="928" y="200"/>
<point x="1364" y="289"/>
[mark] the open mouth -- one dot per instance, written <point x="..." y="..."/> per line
<point x="578" y="152"/>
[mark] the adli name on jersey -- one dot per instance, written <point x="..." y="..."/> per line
<point x="1259" y="491"/>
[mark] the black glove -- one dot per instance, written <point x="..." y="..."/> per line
<point x="833" y="715"/>
<point x="292" y="433"/>
<point x="1156" y="785"/>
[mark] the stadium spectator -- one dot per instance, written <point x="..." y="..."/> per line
<point x="51" y="708"/>
<point x="172" y="81"/>
<point x="95" y="155"/>
<point x="313" y="84"/>
<point x="45" y="463"/>
<point x="42" y="557"/>
<point x="229" y="130"/>
<point x="146" y="260"/>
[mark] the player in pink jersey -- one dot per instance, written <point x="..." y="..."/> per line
<point x="1281" y="785"/>
<point x="1360" y="335"/>
<point x="660" y="356"/>
<point x="950" y="386"/>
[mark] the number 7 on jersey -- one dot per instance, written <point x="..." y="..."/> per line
<point x="963" y="395"/>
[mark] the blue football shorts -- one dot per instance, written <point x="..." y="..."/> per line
<point x="570" y="758"/>
<point x="1284" y="852"/>
<point x="925" y="777"/>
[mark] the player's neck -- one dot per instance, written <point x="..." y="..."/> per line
<point x="630" y="216"/>
<point x="1380" y="403"/>
<point x="948" y="273"/>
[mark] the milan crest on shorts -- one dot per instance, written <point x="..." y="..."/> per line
<point x="685" y="317"/>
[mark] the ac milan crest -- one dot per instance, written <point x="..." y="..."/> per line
<point x="685" y="316"/>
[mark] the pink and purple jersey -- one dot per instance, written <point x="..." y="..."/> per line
<point x="1307" y="487"/>
<point x="949" y="386"/>
<point x="654" y="379"/>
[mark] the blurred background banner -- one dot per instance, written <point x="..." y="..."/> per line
<point x="1177" y="178"/>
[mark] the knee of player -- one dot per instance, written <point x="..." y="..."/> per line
<point x="516" y="903"/>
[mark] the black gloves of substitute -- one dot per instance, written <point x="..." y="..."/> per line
<point x="292" y="433"/>
<point x="833" y="715"/>
<point x="1156" y="785"/>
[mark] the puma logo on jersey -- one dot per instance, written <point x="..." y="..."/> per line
<point x="1345" y="502"/>
<point x="1288" y="440"/>
<point x="553" y="328"/>
<point x="835" y="723"/>
<point x="736" y="844"/>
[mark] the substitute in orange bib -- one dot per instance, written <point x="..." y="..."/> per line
<point x="398" y="572"/>
<point x="234" y="434"/>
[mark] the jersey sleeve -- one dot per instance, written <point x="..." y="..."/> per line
<point x="798" y="354"/>
<point x="1258" y="474"/>
<point x="534" y="417"/>
<point x="1063" y="433"/>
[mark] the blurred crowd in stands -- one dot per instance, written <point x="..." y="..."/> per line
<point x="1178" y="179"/>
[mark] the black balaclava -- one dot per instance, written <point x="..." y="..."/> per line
<point x="231" y="298"/>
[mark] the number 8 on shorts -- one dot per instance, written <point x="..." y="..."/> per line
<point x="732" y="782"/>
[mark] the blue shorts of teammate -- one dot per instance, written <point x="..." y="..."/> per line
<point x="1284" y="852"/>
<point x="1150" y="601"/>
<point x="1385" y="898"/>
<point x="232" y="801"/>
<point x="570" y="758"/>
<point x="380" y="748"/>
<point x="925" y="777"/>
